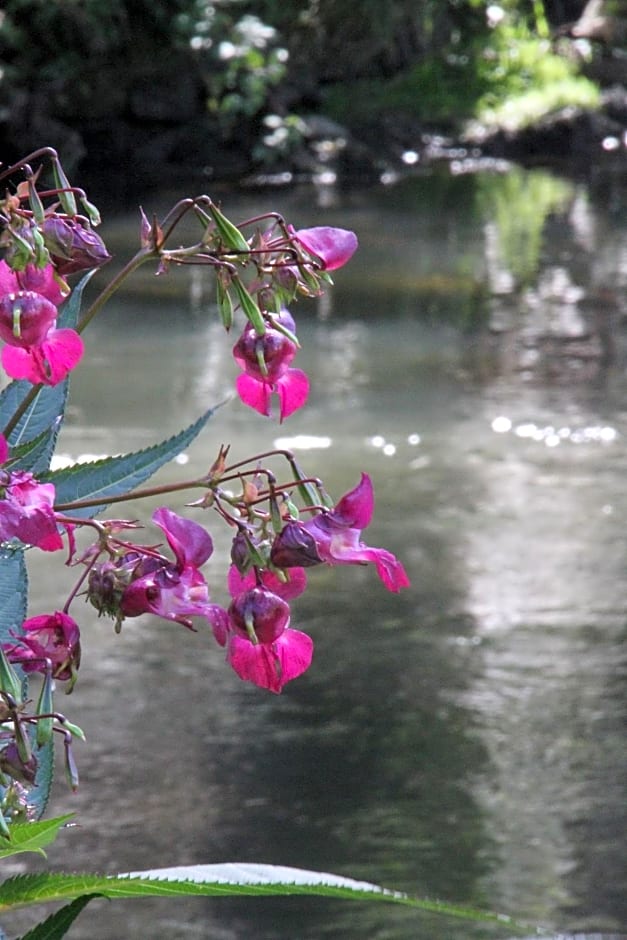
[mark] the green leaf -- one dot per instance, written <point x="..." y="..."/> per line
<point x="45" y="411"/>
<point x="13" y="591"/>
<point x="35" y="455"/>
<point x="70" y="311"/>
<point x="31" y="837"/>
<point x="39" y="793"/>
<point x="226" y="880"/>
<point x="56" y="926"/>
<point x="114" y="476"/>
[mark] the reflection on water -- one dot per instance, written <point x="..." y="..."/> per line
<point x="464" y="739"/>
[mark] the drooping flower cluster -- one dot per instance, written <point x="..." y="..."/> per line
<point x="269" y="554"/>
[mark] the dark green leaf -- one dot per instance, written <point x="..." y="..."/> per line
<point x="13" y="591"/>
<point x="35" y="455"/>
<point x="114" y="476"/>
<point x="56" y="926"/>
<point x="44" y="412"/>
<point x="39" y="793"/>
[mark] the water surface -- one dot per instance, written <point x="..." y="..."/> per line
<point x="464" y="739"/>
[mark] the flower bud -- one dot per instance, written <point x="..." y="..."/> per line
<point x="11" y="763"/>
<point x="108" y="581"/>
<point x="72" y="246"/>
<point x="293" y="547"/>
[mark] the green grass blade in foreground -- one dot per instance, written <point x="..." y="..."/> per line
<point x="31" y="837"/>
<point x="114" y="476"/>
<point x="228" y="880"/>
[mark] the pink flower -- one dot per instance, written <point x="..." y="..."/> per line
<point x="332" y="247"/>
<point x="261" y="646"/>
<point x="40" y="280"/>
<point x="35" y="349"/>
<point x="54" y="637"/>
<point x="26" y="511"/>
<point x="334" y="537"/>
<point x="266" y="363"/>
<point x="173" y="590"/>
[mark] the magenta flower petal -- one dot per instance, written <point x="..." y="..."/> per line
<point x="190" y="542"/>
<point x="253" y="393"/>
<point x="4" y="449"/>
<point x="332" y="246"/>
<point x="389" y="568"/>
<point x="293" y="587"/>
<point x="53" y="637"/>
<point x="47" y="363"/>
<point x="44" y="282"/>
<point x="292" y="389"/>
<point x="40" y="280"/>
<point x="355" y="508"/>
<point x="26" y="513"/>
<point x="270" y="666"/>
<point x="219" y="621"/>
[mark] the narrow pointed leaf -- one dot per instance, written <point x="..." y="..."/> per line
<point x="114" y="476"/>
<point x="56" y="926"/>
<point x="227" y="880"/>
<point x="35" y="455"/>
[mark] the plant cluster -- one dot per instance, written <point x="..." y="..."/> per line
<point x="282" y="520"/>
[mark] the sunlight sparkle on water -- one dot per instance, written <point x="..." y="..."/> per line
<point x="552" y="436"/>
<point x="303" y="442"/>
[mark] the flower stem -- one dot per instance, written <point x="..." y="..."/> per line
<point x="133" y="494"/>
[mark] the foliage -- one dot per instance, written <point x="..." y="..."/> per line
<point x="526" y="78"/>
<point x="259" y="68"/>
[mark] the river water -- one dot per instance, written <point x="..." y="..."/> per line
<point x="462" y="740"/>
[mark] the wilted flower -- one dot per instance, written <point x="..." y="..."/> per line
<point x="36" y="350"/>
<point x="48" y="637"/>
<point x="334" y="537"/>
<point x="266" y="363"/>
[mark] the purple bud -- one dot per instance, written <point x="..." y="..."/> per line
<point x="72" y="246"/>
<point x="293" y="547"/>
